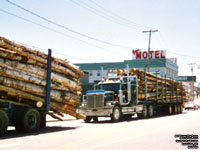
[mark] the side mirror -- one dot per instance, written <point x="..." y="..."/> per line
<point x="84" y="98"/>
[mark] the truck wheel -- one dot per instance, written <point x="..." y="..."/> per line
<point x="116" y="115"/>
<point x="95" y="119"/>
<point x="181" y="108"/>
<point x="4" y="121"/>
<point x="30" y="121"/>
<point x="150" y="111"/>
<point x="178" y="109"/>
<point x="144" y="113"/>
<point x="169" y="110"/>
<point x="175" y="110"/>
<point x="87" y="119"/>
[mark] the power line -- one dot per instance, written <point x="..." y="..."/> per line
<point x="63" y="33"/>
<point x="53" y="30"/>
<point x="64" y="27"/>
<point x="103" y="14"/>
<point x="70" y="30"/>
<point x="173" y="51"/>
<point x="196" y="57"/>
<point x="117" y="16"/>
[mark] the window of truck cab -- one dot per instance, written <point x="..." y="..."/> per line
<point x="110" y="87"/>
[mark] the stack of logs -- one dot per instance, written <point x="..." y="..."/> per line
<point x="157" y="88"/>
<point x="23" y="74"/>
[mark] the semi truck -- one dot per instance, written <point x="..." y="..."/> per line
<point x="132" y="92"/>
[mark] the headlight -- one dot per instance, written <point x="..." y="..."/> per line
<point x="140" y="108"/>
<point x="83" y="105"/>
<point x="109" y="104"/>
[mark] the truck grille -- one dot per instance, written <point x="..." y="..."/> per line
<point x="95" y="101"/>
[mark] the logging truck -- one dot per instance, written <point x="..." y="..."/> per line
<point x="33" y="84"/>
<point x="23" y="116"/>
<point x="126" y="93"/>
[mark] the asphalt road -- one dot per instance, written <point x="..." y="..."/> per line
<point x="148" y="134"/>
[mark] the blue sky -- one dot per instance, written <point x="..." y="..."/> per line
<point x="118" y="22"/>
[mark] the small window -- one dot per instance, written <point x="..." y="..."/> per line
<point x="91" y="74"/>
<point x="98" y="74"/>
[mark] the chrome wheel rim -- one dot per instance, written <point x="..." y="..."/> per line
<point x="116" y="113"/>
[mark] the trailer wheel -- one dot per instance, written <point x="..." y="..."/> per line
<point x="30" y="121"/>
<point x="178" y="109"/>
<point x="4" y="121"/>
<point x="181" y="108"/>
<point x="175" y="109"/>
<point x="150" y="111"/>
<point x="95" y="119"/>
<point x="144" y="113"/>
<point x="116" y="115"/>
<point x="87" y="119"/>
<point x="169" y="110"/>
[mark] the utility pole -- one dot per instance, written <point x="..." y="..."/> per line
<point x="192" y="79"/>
<point x="150" y="31"/>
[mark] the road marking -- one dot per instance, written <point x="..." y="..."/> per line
<point x="9" y="145"/>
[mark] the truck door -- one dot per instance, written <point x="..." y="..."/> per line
<point x="125" y="94"/>
<point x="133" y="95"/>
<point x="133" y="91"/>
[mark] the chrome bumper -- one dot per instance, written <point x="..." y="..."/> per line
<point x="104" y="112"/>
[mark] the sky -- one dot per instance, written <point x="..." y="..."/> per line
<point x="92" y="31"/>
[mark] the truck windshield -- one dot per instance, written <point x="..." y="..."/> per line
<point x="110" y="87"/>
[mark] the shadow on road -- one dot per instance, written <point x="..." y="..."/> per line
<point x="59" y="120"/>
<point x="14" y="134"/>
<point x="135" y="119"/>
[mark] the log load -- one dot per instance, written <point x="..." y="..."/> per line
<point x="157" y="88"/>
<point x="23" y="73"/>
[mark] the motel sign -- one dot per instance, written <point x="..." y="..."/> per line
<point x="158" y="54"/>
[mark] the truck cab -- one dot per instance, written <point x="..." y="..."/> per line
<point x="115" y="97"/>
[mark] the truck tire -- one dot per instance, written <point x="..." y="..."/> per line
<point x="95" y="119"/>
<point x="175" y="109"/>
<point x="87" y="119"/>
<point x="178" y="109"/>
<point x="116" y="115"/>
<point x="30" y="121"/>
<point x="4" y="121"/>
<point x="181" y="108"/>
<point x="169" y="111"/>
<point x="144" y="113"/>
<point x="150" y="111"/>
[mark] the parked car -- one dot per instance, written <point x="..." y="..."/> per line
<point x="191" y="105"/>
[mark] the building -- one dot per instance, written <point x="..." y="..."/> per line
<point x="158" y="64"/>
<point x="190" y="87"/>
